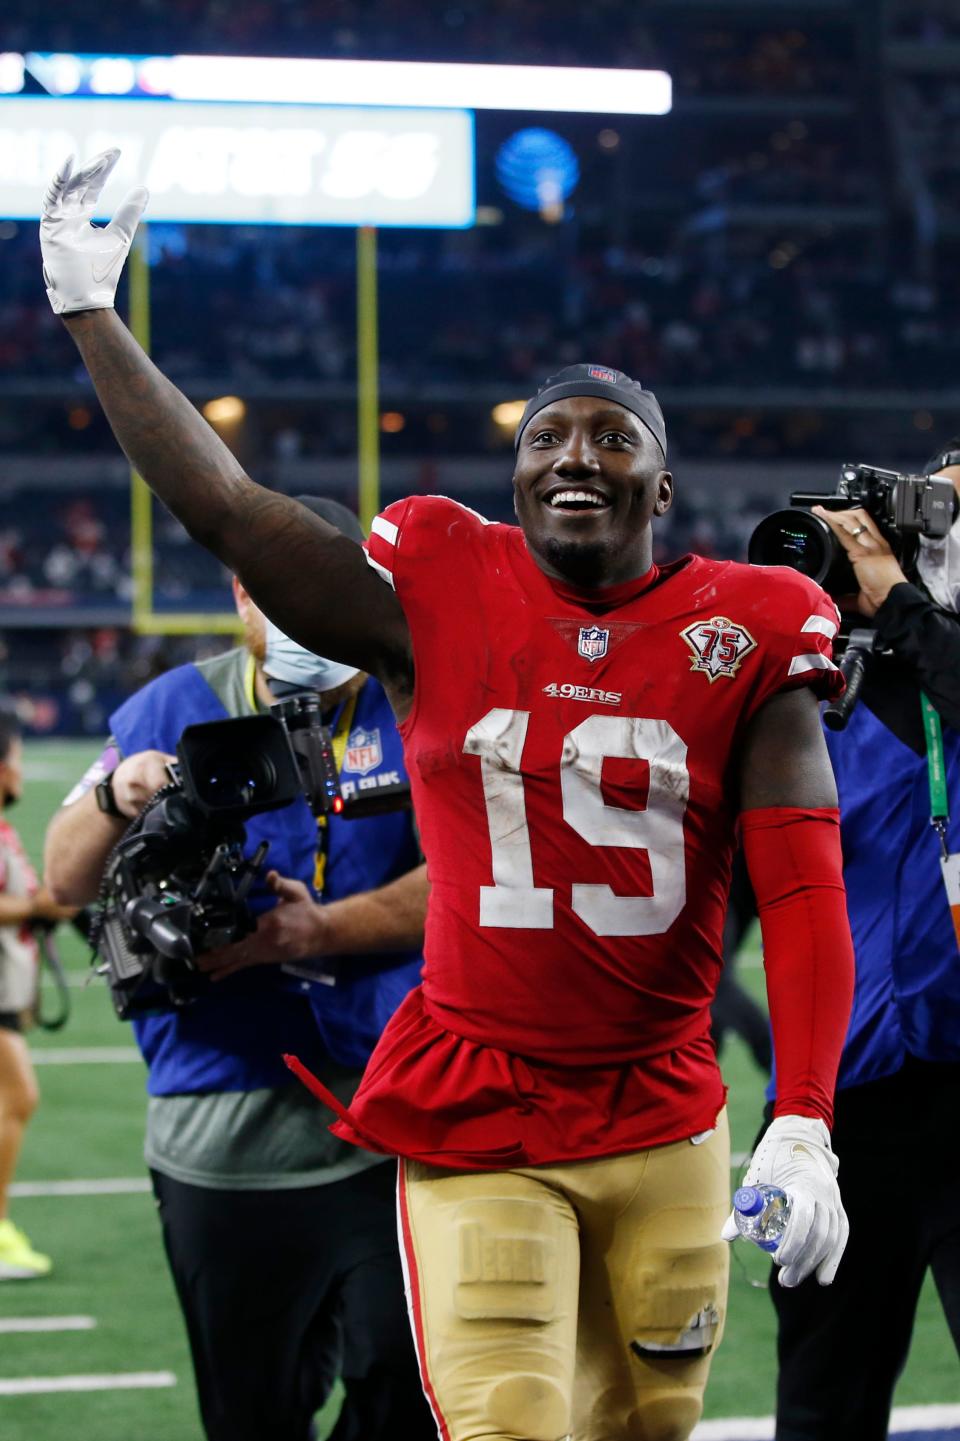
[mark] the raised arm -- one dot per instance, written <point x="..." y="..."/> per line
<point x="306" y="576"/>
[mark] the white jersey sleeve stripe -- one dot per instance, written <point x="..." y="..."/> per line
<point x="381" y="570"/>
<point x="385" y="528"/>
<point x="816" y="661"/>
<point x="820" y="625"/>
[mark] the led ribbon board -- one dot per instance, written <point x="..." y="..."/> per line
<point x="252" y="164"/>
<point x="550" y="89"/>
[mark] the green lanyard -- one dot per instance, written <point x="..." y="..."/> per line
<point x="936" y="773"/>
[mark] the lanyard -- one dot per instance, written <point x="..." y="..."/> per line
<point x="936" y="773"/>
<point x="340" y="735"/>
<point x="250" y="684"/>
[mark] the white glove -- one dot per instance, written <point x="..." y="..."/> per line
<point x="794" y="1153"/>
<point x="82" y="262"/>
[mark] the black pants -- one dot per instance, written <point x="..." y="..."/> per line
<point x="282" y="1291"/>
<point x="842" y="1347"/>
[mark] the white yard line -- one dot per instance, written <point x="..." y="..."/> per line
<point x="115" y="1186"/>
<point x="84" y="1055"/>
<point x="920" y="1418"/>
<point x="122" y="1381"/>
<point x="760" y="1428"/>
<point x="735" y="1428"/>
<point x="11" y="1324"/>
<point x="49" y="771"/>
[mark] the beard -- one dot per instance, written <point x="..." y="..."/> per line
<point x="583" y="563"/>
<point x="255" y="635"/>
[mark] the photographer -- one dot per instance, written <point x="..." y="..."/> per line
<point x="898" y="1095"/>
<point x="281" y="1240"/>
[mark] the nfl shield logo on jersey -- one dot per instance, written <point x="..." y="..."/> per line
<point x="364" y="751"/>
<point x="592" y="642"/>
<point x="719" y="645"/>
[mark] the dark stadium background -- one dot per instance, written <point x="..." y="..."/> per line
<point x="779" y="258"/>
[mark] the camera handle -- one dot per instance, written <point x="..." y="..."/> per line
<point x="861" y="645"/>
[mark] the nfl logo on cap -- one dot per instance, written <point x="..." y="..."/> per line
<point x="600" y="372"/>
<point x="592" y="642"/>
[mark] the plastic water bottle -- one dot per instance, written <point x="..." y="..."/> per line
<point x="761" y="1213"/>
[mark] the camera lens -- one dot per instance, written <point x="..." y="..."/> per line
<point x="794" y="538"/>
<point x="230" y="780"/>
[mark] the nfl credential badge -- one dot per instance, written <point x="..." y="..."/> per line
<point x="719" y="646"/>
<point x="592" y="642"/>
<point x="364" y="751"/>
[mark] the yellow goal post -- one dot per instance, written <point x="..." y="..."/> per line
<point x="145" y="619"/>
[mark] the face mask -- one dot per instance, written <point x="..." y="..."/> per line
<point x="939" y="565"/>
<point x="285" y="660"/>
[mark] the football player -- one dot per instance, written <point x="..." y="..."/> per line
<point x="584" y="732"/>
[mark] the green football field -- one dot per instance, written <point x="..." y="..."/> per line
<point x="110" y="1276"/>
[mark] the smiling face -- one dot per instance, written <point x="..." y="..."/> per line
<point x="589" y="478"/>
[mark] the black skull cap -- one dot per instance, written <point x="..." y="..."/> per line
<point x="606" y="384"/>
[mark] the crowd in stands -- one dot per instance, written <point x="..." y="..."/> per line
<point x="491" y="30"/>
<point x="928" y="115"/>
<point x="931" y="22"/>
<point x="246" y="307"/>
<point x="68" y="682"/>
<point x="721" y="58"/>
<point x="747" y="52"/>
<point x="64" y="551"/>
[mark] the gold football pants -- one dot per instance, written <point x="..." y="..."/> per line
<point x="582" y="1299"/>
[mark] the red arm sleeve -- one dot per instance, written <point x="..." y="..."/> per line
<point x="795" y="865"/>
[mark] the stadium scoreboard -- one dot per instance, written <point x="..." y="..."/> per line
<point x="249" y="164"/>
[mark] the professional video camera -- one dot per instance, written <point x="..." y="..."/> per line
<point x="176" y="883"/>
<point x="905" y="507"/>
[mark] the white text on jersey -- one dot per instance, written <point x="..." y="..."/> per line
<point x="583" y="692"/>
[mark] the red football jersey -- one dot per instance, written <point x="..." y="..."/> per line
<point x="573" y="761"/>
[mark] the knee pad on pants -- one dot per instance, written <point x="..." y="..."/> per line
<point x="668" y="1414"/>
<point x="533" y="1407"/>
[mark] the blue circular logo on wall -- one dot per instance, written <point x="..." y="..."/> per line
<point x="537" y="168"/>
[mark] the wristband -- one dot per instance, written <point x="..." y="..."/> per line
<point x="106" y="800"/>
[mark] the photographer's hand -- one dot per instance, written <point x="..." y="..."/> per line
<point x="293" y="931"/>
<point x="874" y="564"/>
<point x="81" y="836"/>
<point x="390" y="918"/>
<point x="138" y="778"/>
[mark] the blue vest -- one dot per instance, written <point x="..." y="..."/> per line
<point x="362" y="855"/>
<point x="907" y="994"/>
<point x="233" y="1038"/>
<point x="907" y="997"/>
